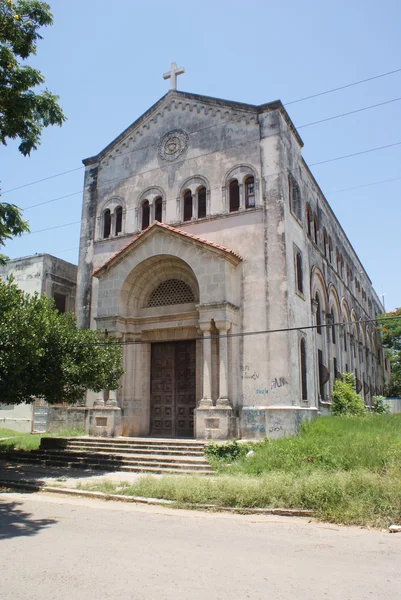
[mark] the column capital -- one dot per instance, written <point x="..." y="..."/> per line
<point x="223" y="325"/>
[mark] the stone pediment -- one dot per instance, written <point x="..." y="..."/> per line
<point x="215" y="108"/>
<point x="167" y="231"/>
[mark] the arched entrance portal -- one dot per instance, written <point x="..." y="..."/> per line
<point x="159" y="301"/>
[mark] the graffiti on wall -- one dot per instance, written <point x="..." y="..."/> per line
<point x="248" y="373"/>
<point x="278" y="382"/>
<point x="254" y="420"/>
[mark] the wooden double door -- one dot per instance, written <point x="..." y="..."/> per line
<point x="173" y="389"/>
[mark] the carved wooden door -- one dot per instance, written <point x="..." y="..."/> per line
<point x="173" y="383"/>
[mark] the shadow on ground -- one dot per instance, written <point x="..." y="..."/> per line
<point x="15" y="522"/>
<point x="45" y="475"/>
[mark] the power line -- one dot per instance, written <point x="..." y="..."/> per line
<point x="351" y="112"/>
<point x="49" y="228"/>
<point x="322" y="162"/>
<point x="286" y="104"/>
<point x="357" y="187"/>
<point x="244" y="333"/>
<point x="40" y="180"/>
<point x="343" y="87"/>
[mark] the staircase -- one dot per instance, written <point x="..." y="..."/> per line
<point x="138" y="455"/>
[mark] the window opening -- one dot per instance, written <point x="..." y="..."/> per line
<point x="159" y="210"/>
<point x="250" y="192"/>
<point x="171" y="291"/>
<point x="119" y="219"/>
<point x="316" y="230"/>
<point x="60" y="302"/>
<point x="201" y="203"/>
<point x="318" y="315"/>
<point x="309" y="221"/>
<point x="106" y="223"/>
<point x="333" y="328"/>
<point x="234" y="196"/>
<point x="299" y="274"/>
<point x="145" y="215"/>
<point x="304" y="382"/>
<point x="187" y="206"/>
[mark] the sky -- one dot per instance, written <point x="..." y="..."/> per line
<point x="106" y="59"/>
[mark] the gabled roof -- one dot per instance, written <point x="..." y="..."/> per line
<point x="208" y="100"/>
<point x="233" y="256"/>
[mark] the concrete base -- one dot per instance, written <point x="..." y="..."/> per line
<point x="215" y="423"/>
<point x="100" y="421"/>
<point x="257" y="422"/>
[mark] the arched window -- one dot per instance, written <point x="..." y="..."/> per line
<point x="234" y="195"/>
<point x="309" y="221"/>
<point x="318" y="314"/>
<point x="106" y="223"/>
<point x="330" y="251"/>
<point x="118" y="217"/>
<point x="304" y="382"/>
<point x="345" y="335"/>
<point x="316" y="230"/>
<point x="145" y="214"/>
<point x="158" y="209"/>
<point x="169" y="292"/>
<point x="295" y="197"/>
<point x="201" y="203"/>
<point x="187" y="205"/>
<point x="333" y="328"/>
<point x="250" y="192"/>
<point x="299" y="272"/>
<point x="325" y="248"/>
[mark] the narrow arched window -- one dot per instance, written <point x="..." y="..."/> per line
<point x="299" y="274"/>
<point x="304" y="381"/>
<point x="250" y="192"/>
<point x="316" y="230"/>
<point x="234" y="195"/>
<point x="309" y="221"/>
<point x="118" y="216"/>
<point x="345" y="337"/>
<point x="333" y="328"/>
<point x="330" y="251"/>
<point x="187" y="206"/>
<point x="145" y="214"/>
<point x="106" y="223"/>
<point x="295" y="197"/>
<point x="325" y="243"/>
<point x="158" y="210"/>
<point x="201" y="203"/>
<point x="318" y="314"/>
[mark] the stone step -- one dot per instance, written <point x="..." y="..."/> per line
<point x="138" y="441"/>
<point x="132" y="449"/>
<point x="123" y="457"/>
<point x="100" y="465"/>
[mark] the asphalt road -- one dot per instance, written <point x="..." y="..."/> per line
<point x="54" y="547"/>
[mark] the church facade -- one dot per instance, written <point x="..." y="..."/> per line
<point x="208" y="249"/>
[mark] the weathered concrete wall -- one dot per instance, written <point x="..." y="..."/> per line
<point x="65" y="417"/>
<point x="17" y="417"/>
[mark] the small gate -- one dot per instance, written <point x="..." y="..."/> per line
<point x="40" y="416"/>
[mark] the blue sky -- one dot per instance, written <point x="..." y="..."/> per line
<point x="105" y="60"/>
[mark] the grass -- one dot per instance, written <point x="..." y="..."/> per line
<point x="28" y="441"/>
<point x="347" y="470"/>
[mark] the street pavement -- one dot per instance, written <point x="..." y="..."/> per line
<point x="54" y="547"/>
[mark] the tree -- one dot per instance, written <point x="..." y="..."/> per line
<point x="23" y="113"/>
<point x="391" y="338"/>
<point x="43" y="354"/>
<point x="344" y="399"/>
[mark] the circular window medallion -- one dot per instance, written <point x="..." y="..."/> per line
<point x="173" y="144"/>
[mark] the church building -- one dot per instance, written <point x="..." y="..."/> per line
<point x="208" y="249"/>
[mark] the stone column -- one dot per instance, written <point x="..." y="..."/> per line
<point x="223" y="327"/>
<point x="151" y="211"/>
<point x="194" y="205"/>
<point x="207" y="400"/>
<point x="241" y="197"/>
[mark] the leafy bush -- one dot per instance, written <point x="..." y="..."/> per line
<point x="344" y="399"/>
<point x="227" y="452"/>
<point x="379" y="405"/>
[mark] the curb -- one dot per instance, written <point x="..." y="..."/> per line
<point x="34" y="487"/>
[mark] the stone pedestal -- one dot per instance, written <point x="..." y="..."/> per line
<point x="215" y="423"/>
<point x="104" y="419"/>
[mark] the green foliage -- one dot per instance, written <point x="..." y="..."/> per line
<point x="391" y="337"/>
<point x="379" y="405"/>
<point x="11" y="224"/>
<point x="228" y="451"/>
<point x="344" y="399"/>
<point x="24" y="113"/>
<point x="44" y="354"/>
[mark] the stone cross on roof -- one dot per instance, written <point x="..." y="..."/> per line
<point x="172" y="75"/>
